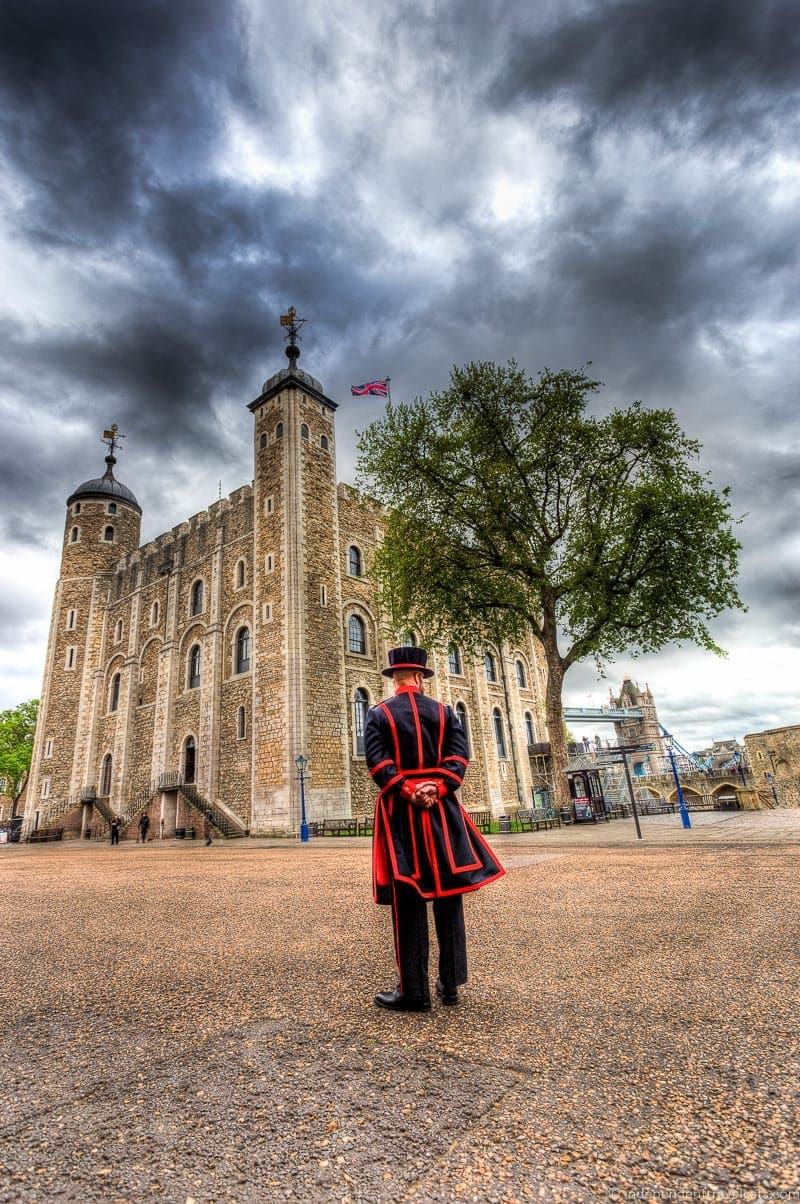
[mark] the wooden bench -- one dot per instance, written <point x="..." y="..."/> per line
<point x="42" y="834"/>
<point x="365" y="825"/>
<point x="531" y="819"/>
<point x="482" y="820"/>
<point x="615" y="813"/>
<point x="339" y="827"/>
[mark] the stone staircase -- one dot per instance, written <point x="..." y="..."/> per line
<point x="227" y="823"/>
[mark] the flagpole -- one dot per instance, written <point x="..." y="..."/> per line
<point x="389" y="389"/>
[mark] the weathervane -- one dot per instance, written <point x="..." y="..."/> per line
<point x="291" y="321"/>
<point x="111" y="438"/>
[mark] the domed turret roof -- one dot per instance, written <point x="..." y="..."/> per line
<point x="297" y="374"/>
<point x="106" y="487"/>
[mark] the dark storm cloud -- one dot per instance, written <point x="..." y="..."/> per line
<point x="695" y="69"/>
<point x="97" y="98"/>
<point x="652" y="246"/>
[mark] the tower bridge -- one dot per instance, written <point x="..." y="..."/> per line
<point x="603" y="714"/>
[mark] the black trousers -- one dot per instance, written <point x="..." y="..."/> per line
<point x="410" y="921"/>
<point x="114" y="837"/>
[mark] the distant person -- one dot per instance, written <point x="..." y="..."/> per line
<point x="207" y="827"/>
<point x="425" y="847"/>
<point x="115" y="826"/>
<point x="144" y="824"/>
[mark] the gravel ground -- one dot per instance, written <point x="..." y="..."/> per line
<point x="191" y="1024"/>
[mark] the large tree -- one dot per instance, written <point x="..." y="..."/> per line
<point x="511" y="508"/>
<point x="17" y="727"/>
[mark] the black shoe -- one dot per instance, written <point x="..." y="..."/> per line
<point x="396" y="1001"/>
<point x="448" y="996"/>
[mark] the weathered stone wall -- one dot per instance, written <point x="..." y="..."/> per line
<point x="323" y="662"/>
<point x="269" y="790"/>
<point x="62" y="745"/>
<point x="774" y="760"/>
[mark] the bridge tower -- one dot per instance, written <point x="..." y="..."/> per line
<point x="644" y="730"/>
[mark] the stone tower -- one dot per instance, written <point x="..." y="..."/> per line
<point x="102" y="525"/>
<point x="299" y="702"/>
<point x="645" y="730"/>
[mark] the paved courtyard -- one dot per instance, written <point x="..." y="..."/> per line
<point x="191" y="1024"/>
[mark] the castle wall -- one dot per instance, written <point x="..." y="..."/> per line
<point x="273" y="559"/>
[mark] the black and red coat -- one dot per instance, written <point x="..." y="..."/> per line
<point x="439" y="851"/>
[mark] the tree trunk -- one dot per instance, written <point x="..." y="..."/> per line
<point x="554" y="713"/>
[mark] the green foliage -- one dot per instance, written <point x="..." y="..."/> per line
<point x="17" y="727"/>
<point x="511" y="507"/>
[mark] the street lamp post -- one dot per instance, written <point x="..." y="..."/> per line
<point x="301" y="762"/>
<point x="632" y="796"/>
<point x="684" y="810"/>
<point x="771" y="779"/>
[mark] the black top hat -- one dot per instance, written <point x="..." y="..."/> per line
<point x="408" y="658"/>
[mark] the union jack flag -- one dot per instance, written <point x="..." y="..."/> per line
<point x="378" y="388"/>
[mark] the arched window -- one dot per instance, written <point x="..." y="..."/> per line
<point x="262" y="443"/>
<point x="354" y="561"/>
<point x="522" y="680"/>
<point x="118" y="631"/>
<point x="323" y="442"/>
<point x="454" y="660"/>
<point x="108" y="535"/>
<point x="360" y="708"/>
<point x="193" y="676"/>
<point x="304" y="431"/>
<point x="240" y="574"/>
<point x="197" y="598"/>
<point x="491" y="668"/>
<point x="530" y="734"/>
<point x="76" y="509"/>
<point x="154" y="614"/>
<point x="105" y="776"/>
<point x="189" y="759"/>
<point x="241" y="723"/>
<point x="73" y="535"/>
<point x="357" y="637"/>
<point x="243" y="650"/>
<point x="461" y="715"/>
<point x="279" y="431"/>
<point x="112" y="508"/>
<point x="499" y="734"/>
<point x="113" y="694"/>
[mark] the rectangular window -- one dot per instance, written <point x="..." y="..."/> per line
<point x="45" y="787"/>
<point x="71" y="618"/>
<point x="323" y="596"/>
<point x="269" y="563"/>
<point x="48" y="748"/>
<point x="69" y="660"/>
<point x="266" y="612"/>
<point x="268" y="505"/>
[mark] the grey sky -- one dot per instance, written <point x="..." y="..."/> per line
<point x="559" y="182"/>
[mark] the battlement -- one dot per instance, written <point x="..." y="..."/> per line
<point x="185" y="541"/>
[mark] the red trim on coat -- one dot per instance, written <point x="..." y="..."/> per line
<point x="430" y="849"/>
<point x="415" y="716"/>
<point x="461" y="760"/>
<point x="381" y="765"/>
<point x="456" y="869"/>
<point x="396" y="929"/>
<point x="441" y="735"/>
<point x="415" y="851"/>
<point x="395" y="738"/>
<point x="398" y="777"/>
<point x="443" y="894"/>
